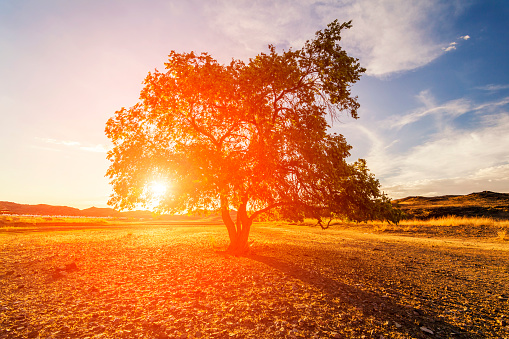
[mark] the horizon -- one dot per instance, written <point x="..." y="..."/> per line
<point x="147" y="210"/>
<point x="434" y="115"/>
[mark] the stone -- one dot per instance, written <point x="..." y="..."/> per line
<point x="56" y="275"/>
<point x="426" y="330"/>
<point x="71" y="267"/>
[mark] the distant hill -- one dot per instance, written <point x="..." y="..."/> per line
<point x="7" y="207"/>
<point x="480" y="204"/>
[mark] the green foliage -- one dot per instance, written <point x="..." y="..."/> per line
<point x="247" y="136"/>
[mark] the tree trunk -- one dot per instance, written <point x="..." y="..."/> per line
<point x="225" y="214"/>
<point x="239" y="231"/>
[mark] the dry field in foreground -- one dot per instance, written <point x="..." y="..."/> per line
<point x="168" y="281"/>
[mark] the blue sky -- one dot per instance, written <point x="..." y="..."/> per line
<point x="434" y="115"/>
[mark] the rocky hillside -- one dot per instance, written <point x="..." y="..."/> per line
<point x="480" y="204"/>
<point x="7" y="207"/>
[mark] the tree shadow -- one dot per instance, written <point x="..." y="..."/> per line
<point x="382" y="307"/>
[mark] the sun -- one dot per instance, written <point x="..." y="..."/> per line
<point x="157" y="189"/>
<point x="156" y="192"/>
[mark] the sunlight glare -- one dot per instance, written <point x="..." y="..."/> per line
<point x="157" y="191"/>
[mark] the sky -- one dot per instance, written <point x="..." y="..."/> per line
<point x="434" y="116"/>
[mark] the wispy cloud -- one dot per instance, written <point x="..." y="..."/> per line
<point x="493" y="87"/>
<point x="95" y="148"/>
<point x="454" y="159"/>
<point x="492" y="105"/>
<point x="60" y="142"/>
<point x="458" y="185"/>
<point x="387" y="36"/>
<point x="450" y="109"/>
<point x="255" y="24"/>
<point x="458" y="152"/>
<point x="452" y="45"/>
<point x="76" y="145"/>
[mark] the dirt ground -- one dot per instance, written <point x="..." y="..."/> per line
<point x="168" y="281"/>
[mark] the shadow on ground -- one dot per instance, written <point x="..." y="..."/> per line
<point x="407" y="320"/>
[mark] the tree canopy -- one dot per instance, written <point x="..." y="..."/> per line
<point x="247" y="136"/>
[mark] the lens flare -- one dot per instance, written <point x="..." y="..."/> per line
<point x="156" y="191"/>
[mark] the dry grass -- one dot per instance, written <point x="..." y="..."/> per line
<point x="479" y="227"/>
<point x="22" y="220"/>
<point x="453" y="221"/>
<point x="502" y="235"/>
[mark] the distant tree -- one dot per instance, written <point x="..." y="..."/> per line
<point x="250" y="137"/>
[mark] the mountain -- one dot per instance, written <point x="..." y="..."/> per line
<point x="7" y="207"/>
<point x="479" y="204"/>
<point x="41" y="209"/>
<point x="100" y="212"/>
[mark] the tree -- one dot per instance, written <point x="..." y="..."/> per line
<point x="251" y="137"/>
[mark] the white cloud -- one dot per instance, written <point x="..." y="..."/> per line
<point x="75" y="144"/>
<point x="492" y="105"/>
<point x="452" y="46"/>
<point x="494" y="173"/>
<point x="387" y="36"/>
<point x="452" y="160"/>
<point x="392" y="36"/>
<point x="457" y="153"/>
<point x="255" y="24"/>
<point x="450" y="109"/>
<point x="96" y="148"/>
<point x="60" y="142"/>
<point x="493" y="87"/>
<point x="436" y="187"/>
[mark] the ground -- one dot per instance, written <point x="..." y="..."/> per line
<point x="168" y="281"/>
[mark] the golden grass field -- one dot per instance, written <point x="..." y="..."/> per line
<point x="153" y="279"/>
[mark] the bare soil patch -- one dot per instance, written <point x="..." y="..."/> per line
<point x="168" y="281"/>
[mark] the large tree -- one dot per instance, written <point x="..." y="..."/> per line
<point x="251" y="137"/>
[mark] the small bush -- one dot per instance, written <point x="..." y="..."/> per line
<point x="503" y="235"/>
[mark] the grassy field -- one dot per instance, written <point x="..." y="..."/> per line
<point x="478" y="227"/>
<point x="27" y="221"/>
<point x="117" y="279"/>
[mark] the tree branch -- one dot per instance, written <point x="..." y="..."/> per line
<point x="192" y="121"/>
<point x="263" y="210"/>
